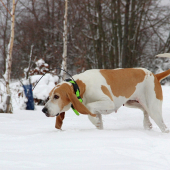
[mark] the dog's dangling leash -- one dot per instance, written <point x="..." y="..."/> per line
<point x="75" y="87"/>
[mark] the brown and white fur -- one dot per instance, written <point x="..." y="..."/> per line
<point x="105" y="91"/>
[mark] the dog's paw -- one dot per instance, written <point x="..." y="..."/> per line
<point x="166" y="130"/>
<point x="99" y="125"/>
<point x="147" y="126"/>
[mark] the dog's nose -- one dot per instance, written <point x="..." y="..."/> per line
<point x="45" y="110"/>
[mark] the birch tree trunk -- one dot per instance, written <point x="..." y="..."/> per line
<point x="64" y="61"/>
<point x="7" y="74"/>
<point x="125" y="59"/>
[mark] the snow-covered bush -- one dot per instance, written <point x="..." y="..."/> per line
<point x="43" y="88"/>
<point x="47" y="82"/>
<point x="40" y="69"/>
<point x="40" y="92"/>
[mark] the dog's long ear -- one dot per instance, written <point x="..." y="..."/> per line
<point x="59" y="120"/>
<point x="78" y="105"/>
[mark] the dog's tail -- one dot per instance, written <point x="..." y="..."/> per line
<point x="164" y="74"/>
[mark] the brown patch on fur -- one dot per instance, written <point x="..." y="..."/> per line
<point x="123" y="81"/>
<point x="106" y="92"/>
<point x="158" y="89"/>
<point x="162" y="75"/>
<point x="59" y="120"/>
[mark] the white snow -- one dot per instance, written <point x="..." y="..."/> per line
<point x="28" y="140"/>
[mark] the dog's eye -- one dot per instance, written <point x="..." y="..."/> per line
<point x="56" y="96"/>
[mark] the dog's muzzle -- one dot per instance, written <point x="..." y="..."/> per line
<point x="45" y="110"/>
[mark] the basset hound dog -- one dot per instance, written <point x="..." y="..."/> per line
<point x="104" y="91"/>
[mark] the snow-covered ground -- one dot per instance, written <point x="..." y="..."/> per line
<point x="28" y="140"/>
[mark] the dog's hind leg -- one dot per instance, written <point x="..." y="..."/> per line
<point x="135" y="104"/>
<point x="146" y="122"/>
<point x="154" y="110"/>
<point x="159" y="121"/>
<point x="157" y="117"/>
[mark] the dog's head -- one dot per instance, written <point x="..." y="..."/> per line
<point x="60" y="99"/>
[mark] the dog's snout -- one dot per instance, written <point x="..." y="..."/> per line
<point x="45" y="110"/>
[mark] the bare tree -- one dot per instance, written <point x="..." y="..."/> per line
<point x="7" y="74"/>
<point x="64" y="57"/>
<point x="100" y="34"/>
<point x="5" y="14"/>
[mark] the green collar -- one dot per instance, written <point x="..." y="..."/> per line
<point x="77" y="92"/>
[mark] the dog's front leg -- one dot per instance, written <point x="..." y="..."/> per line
<point x="97" y="121"/>
<point x="98" y="108"/>
<point x="59" y="120"/>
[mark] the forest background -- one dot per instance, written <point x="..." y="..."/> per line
<point x="101" y="34"/>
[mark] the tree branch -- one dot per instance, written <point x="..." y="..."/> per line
<point x="6" y="7"/>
